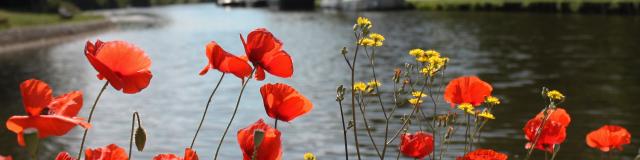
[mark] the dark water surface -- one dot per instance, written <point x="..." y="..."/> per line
<point x="592" y="58"/>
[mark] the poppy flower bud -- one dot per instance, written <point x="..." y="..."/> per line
<point x="140" y="138"/>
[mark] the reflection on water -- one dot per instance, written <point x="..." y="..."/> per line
<point x="591" y="58"/>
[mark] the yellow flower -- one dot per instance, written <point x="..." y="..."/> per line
<point x="432" y="53"/>
<point x="374" y="83"/>
<point x="428" y="70"/>
<point x="360" y="86"/>
<point x="376" y="37"/>
<point x="418" y="94"/>
<point x="492" y="100"/>
<point x="555" y="95"/>
<point x="362" y="22"/>
<point x="467" y="107"/>
<point x="422" y="59"/>
<point x="377" y="44"/>
<point x="366" y="42"/>
<point x="416" y="52"/>
<point x="309" y="156"/>
<point x="486" y="114"/>
<point x="415" y="101"/>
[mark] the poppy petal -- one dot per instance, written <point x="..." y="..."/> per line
<point x="278" y="63"/>
<point x="123" y="65"/>
<point x="105" y="72"/>
<point x="269" y="149"/>
<point x="36" y="95"/>
<point x="225" y="61"/>
<point x="64" y="156"/>
<point x="66" y="105"/>
<point x="259" y="73"/>
<point x="190" y="154"/>
<point x="110" y="152"/>
<point x="47" y="125"/>
<point x="293" y="107"/>
<point x="136" y="82"/>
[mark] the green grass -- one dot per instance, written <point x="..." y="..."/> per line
<point x="452" y="4"/>
<point x="26" y="19"/>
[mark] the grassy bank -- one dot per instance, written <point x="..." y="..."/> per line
<point x="13" y="19"/>
<point x="623" y="6"/>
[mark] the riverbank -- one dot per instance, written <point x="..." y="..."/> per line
<point x="564" y="6"/>
<point x="27" y="37"/>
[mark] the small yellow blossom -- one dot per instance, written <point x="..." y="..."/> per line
<point x="486" y="114"/>
<point x="360" y="86"/>
<point x="416" y="52"/>
<point x="415" y="101"/>
<point x="422" y="59"/>
<point x="378" y="44"/>
<point x="492" y="100"/>
<point x="467" y="107"/>
<point x="362" y="22"/>
<point x="366" y="42"/>
<point x="432" y="53"/>
<point x="374" y="83"/>
<point x="555" y="95"/>
<point x="418" y="94"/>
<point x="428" y="70"/>
<point x="376" y="37"/>
<point x="309" y="156"/>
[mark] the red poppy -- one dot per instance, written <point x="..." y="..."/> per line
<point x="5" y="158"/>
<point x="110" y="152"/>
<point x="269" y="149"/>
<point x="467" y="89"/>
<point x="124" y="65"/>
<point x="189" y="154"/>
<point x="483" y="154"/>
<point x="64" y="156"/>
<point x="36" y="96"/>
<point x="266" y="53"/>
<point x="608" y="137"/>
<point x="225" y="62"/>
<point x="553" y="131"/>
<point x="284" y="103"/>
<point x="417" y="145"/>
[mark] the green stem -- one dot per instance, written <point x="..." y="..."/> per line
<point x="353" y="98"/>
<point x="84" y="136"/>
<point x="133" y="120"/>
<point x="344" y="132"/>
<point x="235" y="110"/>
<point x="538" y="134"/>
<point x="362" y="106"/>
<point x="206" y="108"/>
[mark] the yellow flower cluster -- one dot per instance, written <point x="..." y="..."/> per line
<point x="366" y="42"/>
<point x="555" y="95"/>
<point x="366" y="87"/>
<point x="434" y="62"/>
<point x="360" y="86"/>
<point x="309" y="156"/>
<point x="374" y="83"/>
<point x="374" y="40"/>
<point x="418" y="94"/>
<point x="415" y="101"/>
<point x="486" y="114"/>
<point x="363" y="22"/>
<point x="467" y="107"/>
<point x="492" y="100"/>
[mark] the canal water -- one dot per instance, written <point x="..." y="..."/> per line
<point x="593" y="59"/>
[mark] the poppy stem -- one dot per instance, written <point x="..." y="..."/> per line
<point x="275" y="125"/>
<point x="206" y="108"/>
<point x="133" y="123"/>
<point x="84" y="136"/>
<point x="235" y="110"/>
